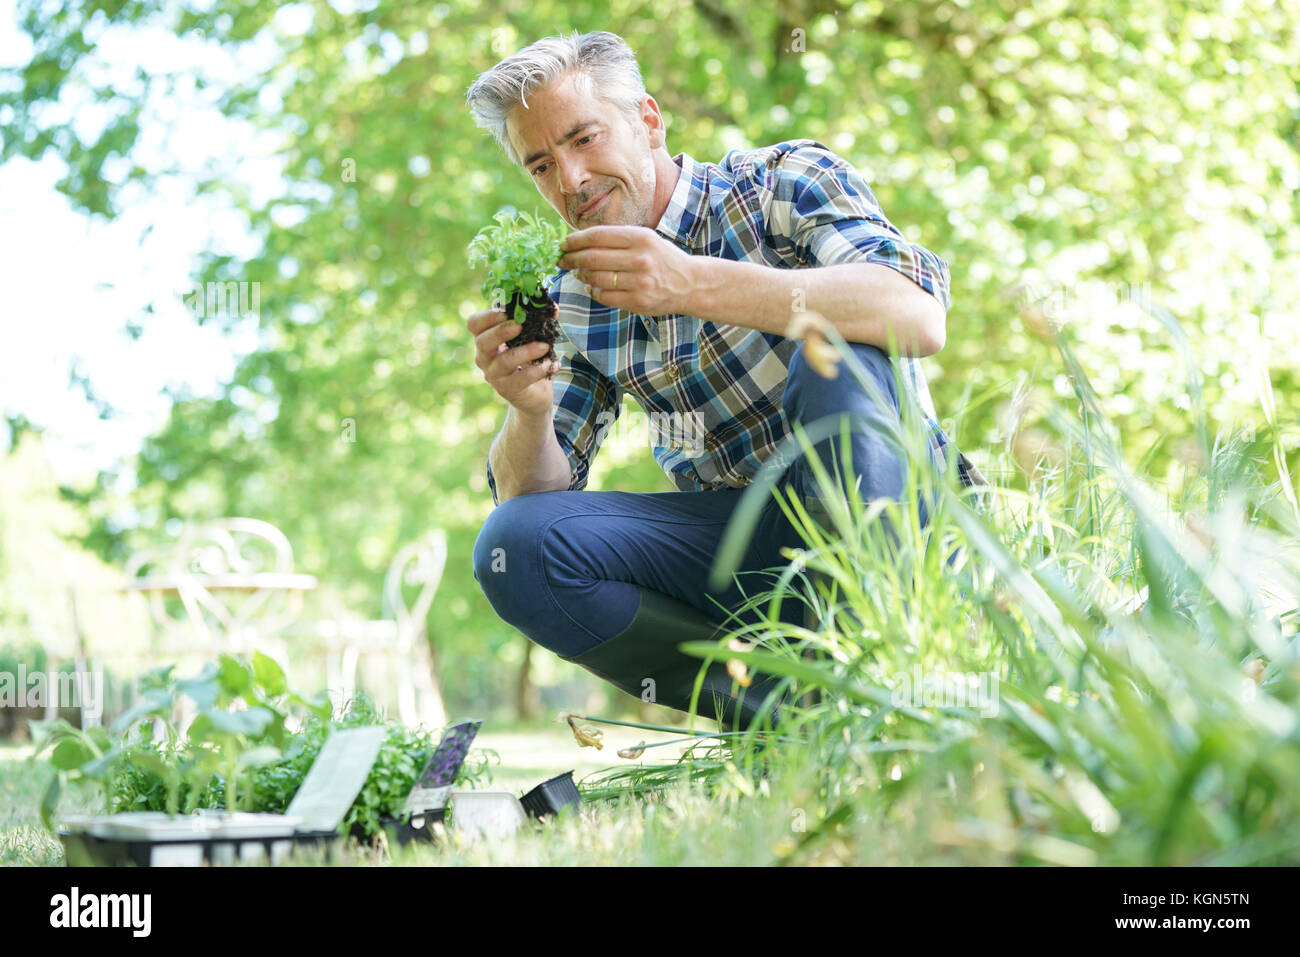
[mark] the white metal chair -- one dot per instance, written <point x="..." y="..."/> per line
<point x="237" y="589"/>
<point x="236" y="584"/>
<point x="398" y="643"/>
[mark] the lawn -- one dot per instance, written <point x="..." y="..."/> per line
<point x="683" y="827"/>
<point x="23" y="839"/>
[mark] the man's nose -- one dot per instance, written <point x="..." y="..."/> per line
<point x="573" y="175"/>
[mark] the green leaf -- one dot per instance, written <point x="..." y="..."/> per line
<point x="70" y="753"/>
<point x="97" y="768"/>
<point x="249" y="723"/>
<point x="45" y="733"/>
<point x="155" y="703"/>
<point x="233" y="675"/>
<point x="269" y="674"/>
<point x="157" y="677"/>
<point x="50" y="802"/>
<point x="99" y="737"/>
<point x="153" y="762"/>
<point x="203" y="689"/>
<point x="258" y="757"/>
<point x="318" y="704"/>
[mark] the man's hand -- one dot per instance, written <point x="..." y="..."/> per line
<point x="630" y="267"/>
<point x="514" y="375"/>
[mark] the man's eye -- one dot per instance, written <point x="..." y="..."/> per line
<point x="537" y="170"/>
<point x="585" y="138"/>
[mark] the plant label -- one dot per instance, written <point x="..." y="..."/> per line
<point x="336" y="778"/>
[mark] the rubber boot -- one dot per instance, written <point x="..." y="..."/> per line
<point x="643" y="660"/>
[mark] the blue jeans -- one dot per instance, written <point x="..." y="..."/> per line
<point x="563" y="567"/>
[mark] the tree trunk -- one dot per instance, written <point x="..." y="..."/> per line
<point x="527" y="701"/>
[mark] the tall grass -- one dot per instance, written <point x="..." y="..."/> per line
<point x="1141" y="650"/>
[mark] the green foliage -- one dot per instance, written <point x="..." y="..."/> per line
<point x="402" y="757"/>
<point x="30" y="655"/>
<point x="1035" y="147"/>
<point x="521" y="252"/>
<point x="1144" y="660"/>
<point x="242" y="712"/>
<point x="240" y="734"/>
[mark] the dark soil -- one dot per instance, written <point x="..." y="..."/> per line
<point x="540" y="324"/>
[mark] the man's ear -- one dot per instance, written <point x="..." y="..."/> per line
<point x="654" y="123"/>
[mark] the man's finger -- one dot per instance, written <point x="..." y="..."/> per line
<point x="507" y="362"/>
<point x="612" y="236"/>
<point x="513" y="384"/>
<point x="492" y="338"/>
<point x="484" y="320"/>
<point x="620" y="260"/>
<point x="508" y="330"/>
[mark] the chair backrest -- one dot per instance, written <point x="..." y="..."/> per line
<point x="419" y="564"/>
<point x="241" y="553"/>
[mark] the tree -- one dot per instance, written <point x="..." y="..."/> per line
<point x="1134" y="146"/>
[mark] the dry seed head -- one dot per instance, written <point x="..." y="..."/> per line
<point x="811" y="326"/>
<point x="735" y="667"/>
<point x="586" y="735"/>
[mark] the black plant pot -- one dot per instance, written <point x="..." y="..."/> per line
<point x="551" y="797"/>
<point x="416" y="828"/>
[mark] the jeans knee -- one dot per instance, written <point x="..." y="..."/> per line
<point x="502" y="548"/>
<point x="879" y="369"/>
<point x="810" y="395"/>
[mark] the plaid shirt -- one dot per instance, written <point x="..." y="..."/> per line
<point x="713" y="391"/>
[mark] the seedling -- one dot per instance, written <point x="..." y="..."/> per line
<point x="242" y="708"/>
<point x="521" y="252"/>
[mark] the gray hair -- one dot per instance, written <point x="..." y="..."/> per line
<point x="604" y="57"/>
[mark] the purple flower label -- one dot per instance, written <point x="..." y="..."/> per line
<point x="449" y="755"/>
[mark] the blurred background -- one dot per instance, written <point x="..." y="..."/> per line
<point x="233" y="259"/>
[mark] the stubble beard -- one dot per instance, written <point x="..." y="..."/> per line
<point x="633" y="214"/>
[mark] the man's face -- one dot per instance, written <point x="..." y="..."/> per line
<point x="578" y="148"/>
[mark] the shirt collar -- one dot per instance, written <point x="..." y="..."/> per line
<point x="684" y="214"/>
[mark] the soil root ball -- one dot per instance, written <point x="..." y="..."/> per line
<point x="540" y="324"/>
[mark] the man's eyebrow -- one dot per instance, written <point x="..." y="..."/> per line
<point x="533" y="157"/>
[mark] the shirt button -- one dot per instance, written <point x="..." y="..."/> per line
<point x="673" y="374"/>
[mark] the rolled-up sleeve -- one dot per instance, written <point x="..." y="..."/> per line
<point x="826" y="210"/>
<point x="586" y="404"/>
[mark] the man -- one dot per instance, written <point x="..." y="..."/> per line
<point x="677" y="287"/>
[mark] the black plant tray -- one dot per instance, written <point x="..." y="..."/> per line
<point x="551" y="797"/>
<point x="82" y="849"/>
